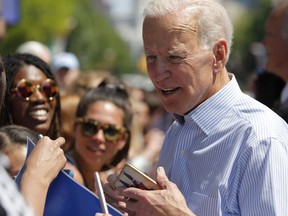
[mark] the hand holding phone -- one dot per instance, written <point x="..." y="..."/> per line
<point x="130" y="176"/>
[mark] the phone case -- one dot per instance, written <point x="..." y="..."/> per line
<point x="130" y="176"/>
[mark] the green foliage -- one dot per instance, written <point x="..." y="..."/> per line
<point x="250" y="28"/>
<point x="40" y="20"/>
<point x="97" y="44"/>
<point x="91" y="37"/>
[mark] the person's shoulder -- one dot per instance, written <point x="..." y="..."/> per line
<point x="249" y="107"/>
<point x="77" y="176"/>
<point x="263" y="120"/>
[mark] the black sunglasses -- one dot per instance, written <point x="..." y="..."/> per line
<point x="91" y="127"/>
<point x="24" y="89"/>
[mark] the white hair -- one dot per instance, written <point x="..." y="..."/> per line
<point x="35" y="48"/>
<point x="213" y="20"/>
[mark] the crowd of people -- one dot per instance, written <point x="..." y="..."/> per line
<point x="212" y="149"/>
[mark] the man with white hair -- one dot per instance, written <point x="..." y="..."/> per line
<point x="225" y="153"/>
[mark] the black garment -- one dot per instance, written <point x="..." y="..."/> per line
<point x="2" y="211"/>
<point x="282" y="110"/>
<point x="268" y="88"/>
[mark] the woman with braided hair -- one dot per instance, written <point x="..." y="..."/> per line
<point x="32" y="96"/>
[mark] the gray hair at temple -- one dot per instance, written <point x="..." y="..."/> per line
<point x="213" y="20"/>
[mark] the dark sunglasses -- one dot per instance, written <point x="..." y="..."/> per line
<point x="91" y="127"/>
<point x="25" y="89"/>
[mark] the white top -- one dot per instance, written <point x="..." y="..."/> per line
<point x="229" y="156"/>
<point x="11" y="201"/>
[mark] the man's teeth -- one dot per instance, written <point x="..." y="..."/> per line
<point x="167" y="91"/>
<point x="39" y="112"/>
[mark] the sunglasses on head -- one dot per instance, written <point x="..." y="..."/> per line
<point x="91" y="127"/>
<point x="24" y="89"/>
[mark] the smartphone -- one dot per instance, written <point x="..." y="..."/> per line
<point x="130" y="176"/>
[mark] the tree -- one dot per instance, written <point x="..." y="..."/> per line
<point x="40" y="21"/>
<point x="97" y="44"/>
<point x="249" y="28"/>
<point x="91" y="37"/>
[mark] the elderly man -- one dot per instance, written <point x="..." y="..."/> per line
<point x="225" y="153"/>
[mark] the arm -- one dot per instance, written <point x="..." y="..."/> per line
<point x="263" y="187"/>
<point x="168" y="201"/>
<point x="43" y="165"/>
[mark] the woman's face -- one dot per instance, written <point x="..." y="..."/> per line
<point x="36" y="113"/>
<point x="96" y="151"/>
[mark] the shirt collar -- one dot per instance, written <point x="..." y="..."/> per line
<point x="208" y="114"/>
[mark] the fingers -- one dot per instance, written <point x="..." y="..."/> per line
<point x="111" y="193"/>
<point x="58" y="142"/>
<point x="48" y="150"/>
<point x="111" y="180"/>
<point x="161" y="178"/>
<point x="113" y="196"/>
<point x="132" y="193"/>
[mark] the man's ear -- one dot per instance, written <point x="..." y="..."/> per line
<point x="220" y="51"/>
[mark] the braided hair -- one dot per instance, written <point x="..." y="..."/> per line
<point x="12" y="64"/>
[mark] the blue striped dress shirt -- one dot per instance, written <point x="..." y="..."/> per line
<point x="229" y="156"/>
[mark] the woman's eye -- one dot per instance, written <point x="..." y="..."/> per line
<point x="150" y="58"/>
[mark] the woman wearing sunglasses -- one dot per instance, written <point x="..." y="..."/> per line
<point x="37" y="176"/>
<point x="102" y="131"/>
<point x="32" y="97"/>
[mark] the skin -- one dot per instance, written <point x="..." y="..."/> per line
<point x="65" y="76"/>
<point x="16" y="154"/>
<point x="43" y="165"/>
<point x="276" y="45"/>
<point x="24" y="112"/>
<point x="184" y="76"/>
<point x="92" y="153"/>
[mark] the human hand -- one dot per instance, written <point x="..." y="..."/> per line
<point x="111" y="194"/>
<point x="46" y="160"/>
<point x="168" y="201"/>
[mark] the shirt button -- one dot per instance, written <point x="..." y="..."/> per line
<point x="181" y="153"/>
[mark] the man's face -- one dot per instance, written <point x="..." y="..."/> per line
<point x="180" y="70"/>
<point x="276" y="46"/>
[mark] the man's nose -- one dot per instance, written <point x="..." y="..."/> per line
<point x="162" y="70"/>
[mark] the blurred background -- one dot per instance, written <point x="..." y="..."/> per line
<point x="106" y="34"/>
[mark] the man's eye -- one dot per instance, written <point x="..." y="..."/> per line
<point x="150" y="58"/>
<point x="175" y="59"/>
